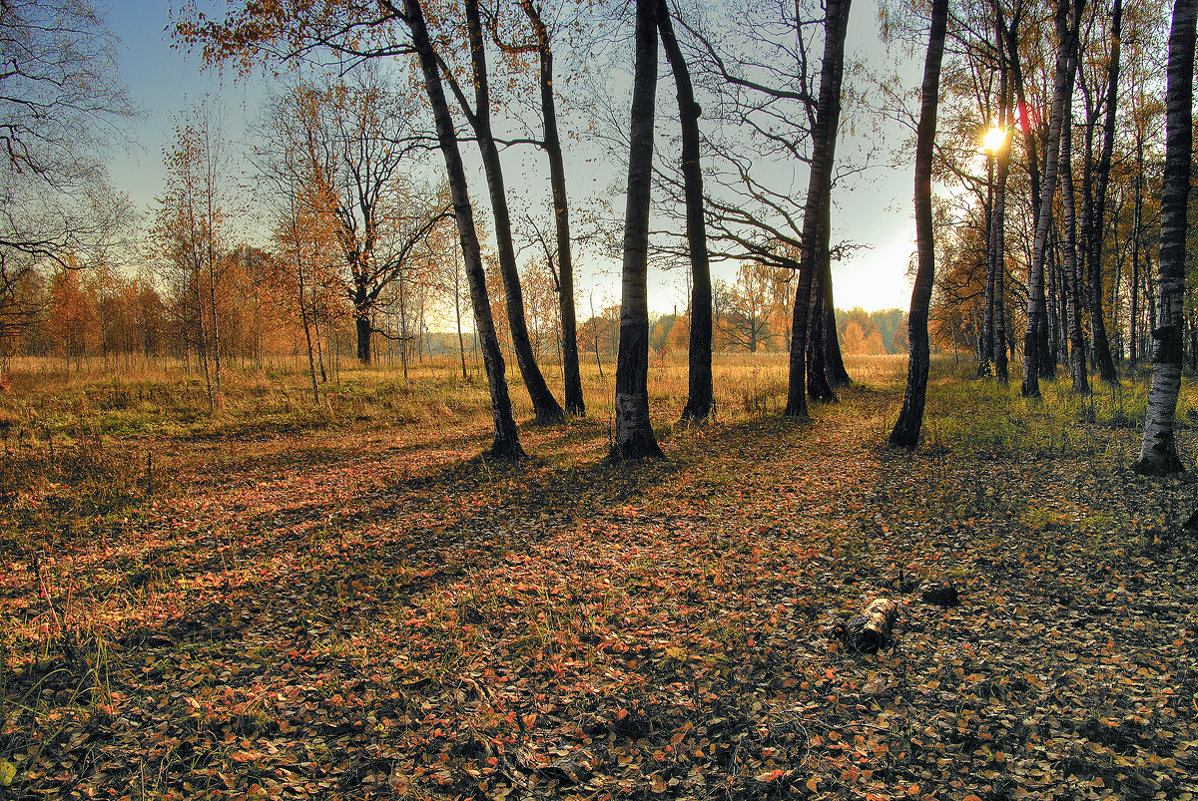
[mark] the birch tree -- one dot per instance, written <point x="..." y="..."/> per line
<point x="1158" y="454"/>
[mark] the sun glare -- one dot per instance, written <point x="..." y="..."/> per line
<point x="994" y="139"/>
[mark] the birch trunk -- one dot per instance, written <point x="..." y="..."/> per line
<point x="1158" y="455"/>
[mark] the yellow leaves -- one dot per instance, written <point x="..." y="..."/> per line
<point x="8" y="772"/>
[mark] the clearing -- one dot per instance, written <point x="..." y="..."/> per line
<point x="304" y="607"/>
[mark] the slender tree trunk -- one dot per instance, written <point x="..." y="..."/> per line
<point x="832" y="372"/>
<point x="998" y="257"/>
<point x="837" y="375"/>
<point x="998" y="220"/>
<point x="819" y="188"/>
<point x="1158" y="455"/>
<point x="1137" y="229"/>
<point x="819" y="388"/>
<point x="545" y="406"/>
<point x="1102" y="349"/>
<point x="506" y="444"/>
<point x="634" y="437"/>
<point x="305" y="320"/>
<point x="699" y="380"/>
<point x="986" y="345"/>
<point x="595" y="335"/>
<point x="561" y="214"/>
<point x="910" y="421"/>
<point x="1073" y="271"/>
<point x="1067" y="26"/>
<point x="457" y="311"/>
<point x="324" y="376"/>
<point x="1050" y="341"/>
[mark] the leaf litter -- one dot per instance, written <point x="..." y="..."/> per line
<point x="356" y="616"/>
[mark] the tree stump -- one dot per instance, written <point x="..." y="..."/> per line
<point x="941" y="594"/>
<point x="870" y="630"/>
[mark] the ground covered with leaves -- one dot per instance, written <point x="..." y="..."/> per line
<point x="379" y="613"/>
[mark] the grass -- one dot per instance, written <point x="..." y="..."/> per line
<point x="284" y="600"/>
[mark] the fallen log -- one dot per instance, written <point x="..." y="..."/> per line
<point x="871" y="629"/>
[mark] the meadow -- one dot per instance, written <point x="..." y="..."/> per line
<point x="344" y="600"/>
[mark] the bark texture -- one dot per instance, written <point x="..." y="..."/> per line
<point x="819" y="188"/>
<point x="1158" y="455"/>
<point x="699" y="382"/>
<point x="545" y="406"/>
<point x="634" y="437"/>
<point x="910" y="421"/>
<point x="1102" y="349"/>
<point x="506" y="444"/>
<point x="871" y="629"/>
<point x="1067" y="25"/>
<point x="575" y="404"/>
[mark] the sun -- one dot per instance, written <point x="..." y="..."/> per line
<point x="994" y="139"/>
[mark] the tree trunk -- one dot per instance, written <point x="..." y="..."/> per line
<point x="1102" y="349"/>
<point x="910" y="421"/>
<point x="819" y="188"/>
<point x="999" y="211"/>
<point x="819" y="388"/>
<point x="1050" y="341"/>
<point x="506" y="444"/>
<point x="986" y="346"/>
<point x="1073" y="271"/>
<point x="699" y="381"/>
<point x="545" y="406"/>
<point x="1158" y="455"/>
<point x="1137" y="230"/>
<point x="1067" y="26"/>
<point x="561" y="215"/>
<point x="834" y="368"/>
<point x="832" y="372"/>
<point x="634" y="437"/>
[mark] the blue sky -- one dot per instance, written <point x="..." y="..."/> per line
<point x="874" y="209"/>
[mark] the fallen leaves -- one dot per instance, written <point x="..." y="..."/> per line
<point x="384" y="621"/>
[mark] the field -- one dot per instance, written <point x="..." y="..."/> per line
<point x="285" y="600"/>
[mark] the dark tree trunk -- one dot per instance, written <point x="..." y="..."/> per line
<point x="986" y="344"/>
<point x="832" y="372"/>
<point x="998" y="212"/>
<point x="1158" y="454"/>
<point x="1067" y="26"/>
<point x="506" y="444"/>
<point x="634" y="437"/>
<point x="819" y="388"/>
<point x="1073" y="271"/>
<point x="699" y="389"/>
<point x="1102" y="348"/>
<point x="1137" y="229"/>
<point x="819" y="188"/>
<point x="362" y="328"/>
<point x="544" y="404"/>
<point x="561" y="214"/>
<point x="910" y="421"/>
<point x="837" y="375"/>
<point x="1050" y="335"/>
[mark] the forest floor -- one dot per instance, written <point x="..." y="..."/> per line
<point x="370" y="610"/>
